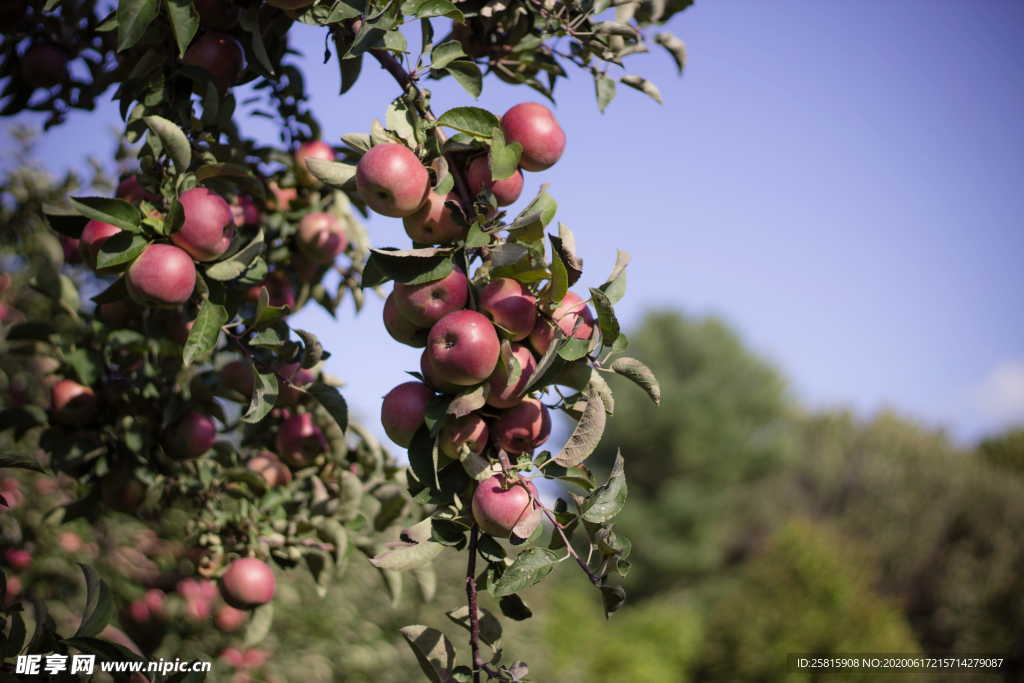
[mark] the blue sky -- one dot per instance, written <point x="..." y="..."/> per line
<point x="841" y="181"/>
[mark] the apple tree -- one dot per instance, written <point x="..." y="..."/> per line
<point x="151" y="366"/>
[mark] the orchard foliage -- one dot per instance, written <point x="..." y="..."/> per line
<point x="151" y="357"/>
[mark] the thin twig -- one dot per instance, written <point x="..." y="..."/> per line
<point x="474" y="618"/>
<point x="594" y="578"/>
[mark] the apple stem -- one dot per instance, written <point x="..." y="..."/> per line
<point x="474" y="617"/>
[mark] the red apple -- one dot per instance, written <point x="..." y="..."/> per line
<point x="11" y="491"/>
<point x="163" y="275"/>
<point x="229" y="619"/>
<point x="120" y="490"/>
<point x="73" y="404"/>
<point x="117" y="313"/>
<point x="314" y="149"/>
<point x="510" y="305"/>
<point x="94" y="234"/>
<point x="5" y="282"/>
<point x="534" y="127"/>
<point x="506" y="190"/>
<point x="18" y="559"/>
<point x="433" y="380"/>
<point x="194" y="434"/>
<point x="425" y="304"/>
<point x="247" y="583"/>
<point x="245" y="212"/>
<point x="501" y="507"/>
<point x="392" y="181"/>
<point x="268" y="466"/>
<point x="403" y="410"/>
<point x="292" y="374"/>
<point x="463" y="348"/>
<point x="44" y="65"/>
<point x="523" y="427"/>
<point x="220" y="55"/>
<point x="469" y="431"/>
<point x="131" y="190"/>
<point x="321" y="237"/>
<point x="219" y="14"/>
<point x="69" y="541"/>
<point x="209" y="225"/>
<point x="238" y="376"/>
<point x="504" y="394"/>
<point x="69" y="245"/>
<point x="434" y="222"/>
<point x="299" y="440"/>
<point x="400" y="329"/>
<point x="574" y="320"/>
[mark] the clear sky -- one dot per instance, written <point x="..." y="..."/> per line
<point x="844" y="182"/>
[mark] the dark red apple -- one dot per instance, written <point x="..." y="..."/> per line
<point x="574" y="320"/>
<point x="209" y="225"/>
<point x="433" y="380"/>
<point x="534" y="127"/>
<point x="299" y="440"/>
<point x="523" y="427"/>
<point x="245" y="212"/>
<point x="400" y="329"/>
<point x="220" y="55"/>
<point x="502" y="507"/>
<point x="506" y="190"/>
<point x="73" y="404"/>
<point x="238" y="375"/>
<point x="511" y="306"/>
<point x="163" y="275"/>
<point x="392" y="180"/>
<point x="247" y="584"/>
<point x="293" y="375"/>
<point x="44" y="65"/>
<point x="194" y="434"/>
<point x="434" y="222"/>
<point x="463" y="348"/>
<point x="469" y="431"/>
<point x="403" y="410"/>
<point x="425" y="304"/>
<point x="505" y="394"/>
<point x="131" y="190"/>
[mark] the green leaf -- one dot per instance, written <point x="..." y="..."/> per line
<point x="613" y="597"/>
<point x="412" y="266"/>
<point x="604" y="89"/>
<point x="119" y="249"/>
<point x="615" y="287"/>
<point x="586" y="435"/>
<point x="433" y="650"/>
<point x="490" y="627"/>
<point x="470" y="120"/>
<point x="424" y="9"/>
<point x="504" y="158"/>
<point x="21" y="461"/>
<point x="514" y="607"/>
<point x="239" y="262"/>
<point x="643" y="85"/>
<point x="476" y="237"/>
<point x="264" y="396"/>
<point x="469" y="400"/>
<point x="444" y="54"/>
<point x="529" y="567"/>
<point x="606" y="319"/>
<point x="69" y="225"/>
<point x="238" y="174"/>
<point x="175" y="142"/>
<point x="333" y="173"/>
<point x="184" y="22"/>
<point x="265" y="313"/>
<point x="202" y="339"/>
<point x="559" y="279"/>
<point x="467" y="74"/>
<point x="332" y="401"/>
<point x="530" y="223"/>
<point x="98" y="605"/>
<point x="133" y="18"/>
<point x="114" y="211"/>
<point x="405" y="556"/>
<point x="249" y="20"/>
<point x="675" y="47"/>
<point x="601" y="388"/>
<point x="565" y="246"/>
<point x="639" y="374"/>
<point x="608" y="499"/>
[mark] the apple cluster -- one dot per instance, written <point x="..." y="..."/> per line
<point x="485" y="333"/>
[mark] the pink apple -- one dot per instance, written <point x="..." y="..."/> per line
<point x="523" y="427"/>
<point x="504" y="394"/>
<point x="321" y="237"/>
<point x="163" y="275"/>
<point x="247" y="583"/>
<point x="131" y="190"/>
<point x="18" y="559"/>
<point x="209" y="225"/>
<point x="94" y="234"/>
<point x="229" y="619"/>
<point x="463" y="348"/>
<point x="574" y="320"/>
<point x="392" y="181"/>
<point x="469" y="431"/>
<point x="245" y="212"/>
<point x="502" y="507"/>
<point x="534" y="127"/>
<point x="400" y="329"/>
<point x="510" y="305"/>
<point x="403" y="410"/>
<point x="314" y="149"/>
<point x="425" y="304"/>
<point x="506" y="190"/>
<point x="434" y="222"/>
<point x="194" y="434"/>
<point x="293" y="377"/>
<point x="299" y="440"/>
